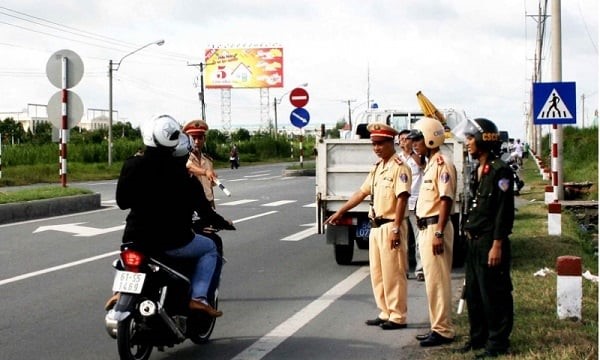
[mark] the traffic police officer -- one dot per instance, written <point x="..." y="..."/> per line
<point x="200" y="164"/>
<point x="488" y="286"/>
<point x="388" y="183"/>
<point x="436" y="232"/>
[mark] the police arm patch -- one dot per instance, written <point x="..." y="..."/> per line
<point x="404" y="178"/>
<point x="504" y="184"/>
<point x="445" y="177"/>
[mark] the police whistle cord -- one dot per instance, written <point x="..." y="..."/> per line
<point x="222" y="187"/>
<point x="461" y="302"/>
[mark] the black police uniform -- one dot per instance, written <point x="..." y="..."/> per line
<point x="488" y="290"/>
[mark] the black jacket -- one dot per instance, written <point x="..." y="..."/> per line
<point x="492" y="202"/>
<point x="162" y="197"/>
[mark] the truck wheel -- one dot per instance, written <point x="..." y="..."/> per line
<point x="344" y="252"/>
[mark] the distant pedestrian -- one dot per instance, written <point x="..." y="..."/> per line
<point x="488" y="286"/>
<point x="388" y="184"/>
<point x="234" y="157"/>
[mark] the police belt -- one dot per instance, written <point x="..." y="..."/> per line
<point x="378" y="221"/>
<point x="422" y="223"/>
<point x="471" y="235"/>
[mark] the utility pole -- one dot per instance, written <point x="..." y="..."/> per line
<point x="201" y="93"/>
<point x="349" y="111"/>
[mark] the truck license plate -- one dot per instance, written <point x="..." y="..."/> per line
<point x="128" y="282"/>
<point x="363" y="228"/>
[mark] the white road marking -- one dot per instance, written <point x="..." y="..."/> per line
<point x="254" y="176"/>
<point x="270" y="341"/>
<point x="56" y="268"/>
<point x="98" y="257"/>
<point x="310" y="205"/>
<point x="254" y="216"/>
<point x="301" y="235"/>
<point x="279" y="203"/>
<point x="238" y="202"/>
<point x="78" y="230"/>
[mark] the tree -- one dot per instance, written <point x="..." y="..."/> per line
<point x="240" y="135"/>
<point x="12" y="131"/>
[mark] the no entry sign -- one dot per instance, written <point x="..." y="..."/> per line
<point x="299" y="97"/>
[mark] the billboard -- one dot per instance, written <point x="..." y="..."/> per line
<point x="243" y="68"/>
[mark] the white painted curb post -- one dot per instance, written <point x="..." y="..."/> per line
<point x="554" y="219"/>
<point x="569" y="291"/>
<point x="546" y="174"/>
<point x="548" y="194"/>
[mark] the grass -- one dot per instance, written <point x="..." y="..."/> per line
<point x="39" y="193"/>
<point x="537" y="332"/>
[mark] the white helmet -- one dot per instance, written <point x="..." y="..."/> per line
<point x="161" y="130"/>
<point x="432" y="131"/>
<point x="184" y="147"/>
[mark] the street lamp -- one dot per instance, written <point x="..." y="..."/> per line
<point x="114" y="66"/>
<point x="277" y="101"/>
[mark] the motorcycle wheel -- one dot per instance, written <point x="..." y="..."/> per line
<point x="126" y="330"/>
<point x="200" y="325"/>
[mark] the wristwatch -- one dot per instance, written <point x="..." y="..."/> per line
<point x="439" y="235"/>
<point x="396" y="230"/>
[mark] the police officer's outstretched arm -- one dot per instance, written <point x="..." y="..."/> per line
<point x="354" y="200"/>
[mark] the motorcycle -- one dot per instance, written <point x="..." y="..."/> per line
<point x="513" y="164"/>
<point x="152" y="308"/>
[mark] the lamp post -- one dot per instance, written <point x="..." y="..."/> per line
<point x="114" y="66"/>
<point x="277" y="101"/>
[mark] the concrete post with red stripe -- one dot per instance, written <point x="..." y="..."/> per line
<point x="569" y="292"/>
<point x="554" y="219"/>
<point x="549" y="194"/>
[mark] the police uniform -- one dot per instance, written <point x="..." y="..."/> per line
<point x="439" y="180"/>
<point x="386" y="182"/>
<point x="488" y="290"/>
<point x="200" y="160"/>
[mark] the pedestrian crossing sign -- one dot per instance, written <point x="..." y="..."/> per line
<point x="554" y="103"/>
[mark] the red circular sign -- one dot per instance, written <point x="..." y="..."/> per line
<point x="299" y="97"/>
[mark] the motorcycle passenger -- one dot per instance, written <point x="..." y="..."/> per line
<point x="156" y="187"/>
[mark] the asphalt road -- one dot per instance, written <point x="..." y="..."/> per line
<point x="282" y="293"/>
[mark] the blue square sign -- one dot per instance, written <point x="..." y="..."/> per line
<point x="554" y="103"/>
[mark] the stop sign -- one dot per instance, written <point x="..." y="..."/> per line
<point x="299" y="97"/>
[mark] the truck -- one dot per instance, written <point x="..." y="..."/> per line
<point x="343" y="164"/>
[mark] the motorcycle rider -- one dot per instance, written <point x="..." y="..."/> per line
<point x="157" y="189"/>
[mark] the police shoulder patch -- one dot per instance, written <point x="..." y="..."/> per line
<point x="445" y="177"/>
<point x="504" y="184"/>
<point x="404" y="178"/>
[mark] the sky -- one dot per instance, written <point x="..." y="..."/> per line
<point x="470" y="55"/>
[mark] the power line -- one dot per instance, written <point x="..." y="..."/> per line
<point x="122" y="45"/>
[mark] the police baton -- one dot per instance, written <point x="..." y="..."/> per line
<point x="461" y="302"/>
<point x="222" y="187"/>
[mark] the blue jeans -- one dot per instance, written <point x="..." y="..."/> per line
<point x="205" y="251"/>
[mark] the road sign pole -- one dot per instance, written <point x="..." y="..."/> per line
<point x="302" y="147"/>
<point x="557" y="130"/>
<point x="64" y="124"/>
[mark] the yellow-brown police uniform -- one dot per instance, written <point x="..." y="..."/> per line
<point x="388" y="266"/>
<point x="198" y="159"/>
<point x="439" y="180"/>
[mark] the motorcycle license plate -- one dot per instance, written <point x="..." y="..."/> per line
<point x="363" y="228"/>
<point x="128" y="282"/>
